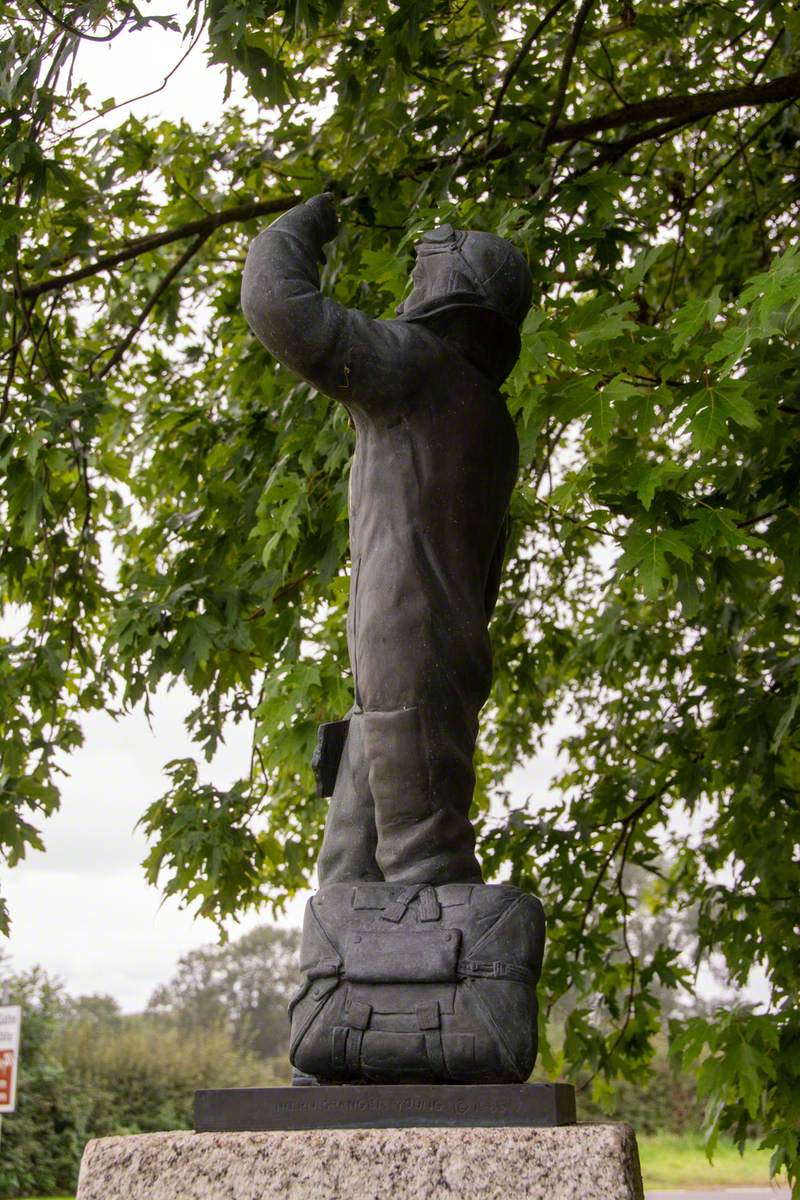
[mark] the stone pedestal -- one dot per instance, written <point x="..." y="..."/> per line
<point x="571" y="1162"/>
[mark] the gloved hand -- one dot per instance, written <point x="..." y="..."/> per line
<point x="324" y="207"/>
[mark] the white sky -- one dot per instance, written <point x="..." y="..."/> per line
<point x="136" y="63"/>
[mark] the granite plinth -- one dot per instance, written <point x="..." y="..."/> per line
<point x="385" y="1106"/>
<point x="570" y="1162"/>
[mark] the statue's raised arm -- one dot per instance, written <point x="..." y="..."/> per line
<point x="341" y="351"/>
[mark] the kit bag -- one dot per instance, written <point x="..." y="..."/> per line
<point x="418" y="984"/>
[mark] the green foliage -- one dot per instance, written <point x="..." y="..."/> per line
<point x="141" y="1078"/>
<point x="749" y="1073"/>
<point x="645" y="160"/>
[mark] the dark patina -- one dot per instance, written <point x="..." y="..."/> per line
<point x="414" y="969"/>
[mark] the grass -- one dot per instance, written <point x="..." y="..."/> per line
<point x="669" y="1161"/>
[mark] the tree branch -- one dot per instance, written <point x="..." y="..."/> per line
<point x="613" y="150"/>
<point x="73" y="29"/>
<point x="36" y="351"/>
<point x="714" y="175"/>
<point x="688" y="108"/>
<point x="152" y="241"/>
<point x="12" y="364"/>
<point x="680" y="112"/>
<point x="566" y="68"/>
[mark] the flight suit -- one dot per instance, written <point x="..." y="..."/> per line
<point x="435" y="462"/>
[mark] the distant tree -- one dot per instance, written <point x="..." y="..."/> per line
<point x="243" y="986"/>
<point x="98" y="1010"/>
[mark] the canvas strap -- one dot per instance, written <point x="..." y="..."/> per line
<point x="324" y="970"/>
<point x="429" y="907"/>
<point x="429" y="1021"/>
<point x="471" y="968"/>
<point x="339" y="1046"/>
<point x="353" y="1050"/>
<point x="347" y="1039"/>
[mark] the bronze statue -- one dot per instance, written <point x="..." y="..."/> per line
<point x="435" y="463"/>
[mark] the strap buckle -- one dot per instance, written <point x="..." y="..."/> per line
<point x="429" y="907"/>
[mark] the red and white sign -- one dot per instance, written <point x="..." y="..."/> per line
<point x="10" y="1024"/>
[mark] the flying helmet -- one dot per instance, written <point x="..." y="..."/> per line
<point x="461" y="268"/>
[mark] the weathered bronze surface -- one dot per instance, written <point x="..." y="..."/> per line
<point x="431" y="977"/>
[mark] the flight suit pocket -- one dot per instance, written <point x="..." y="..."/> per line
<point x="399" y="765"/>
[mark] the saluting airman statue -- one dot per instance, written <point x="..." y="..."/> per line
<point x="415" y="969"/>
